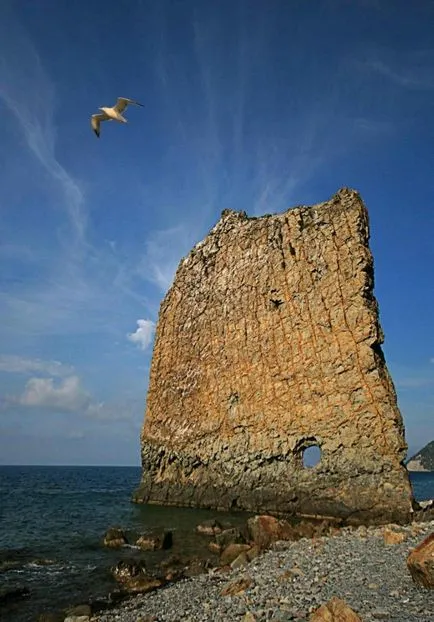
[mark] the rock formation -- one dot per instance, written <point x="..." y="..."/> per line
<point x="267" y="343"/>
<point x="423" y="460"/>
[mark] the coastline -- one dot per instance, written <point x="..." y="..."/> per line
<point x="292" y="579"/>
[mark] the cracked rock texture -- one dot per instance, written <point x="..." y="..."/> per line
<point x="269" y="342"/>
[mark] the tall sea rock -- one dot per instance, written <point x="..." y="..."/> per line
<point x="269" y="342"/>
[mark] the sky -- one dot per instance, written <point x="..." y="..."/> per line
<point x="255" y="105"/>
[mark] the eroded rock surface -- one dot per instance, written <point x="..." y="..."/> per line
<point x="267" y="343"/>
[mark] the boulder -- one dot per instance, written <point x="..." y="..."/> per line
<point x="420" y="562"/>
<point x="80" y="610"/>
<point x="134" y="578"/>
<point x="336" y="610"/>
<point x="232" y="551"/>
<point x="264" y="530"/>
<point x="209" y="527"/>
<point x="214" y="547"/>
<point x="196" y="567"/>
<point x="115" y="537"/>
<point x="229" y="536"/>
<point x="156" y="541"/>
<point x="240" y="561"/>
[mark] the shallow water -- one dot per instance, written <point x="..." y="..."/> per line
<point x="52" y="520"/>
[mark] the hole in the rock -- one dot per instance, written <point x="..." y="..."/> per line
<point x="311" y="456"/>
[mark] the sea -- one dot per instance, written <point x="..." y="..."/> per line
<point x="53" y="520"/>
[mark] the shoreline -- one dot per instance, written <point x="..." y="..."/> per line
<point x="292" y="579"/>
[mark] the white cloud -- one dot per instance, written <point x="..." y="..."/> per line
<point x="66" y="396"/>
<point x="20" y="365"/>
<point x="143" y="335"/>
<point x="431" y="360"/>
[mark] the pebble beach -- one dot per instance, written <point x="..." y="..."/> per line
<point x="293" y="579"/>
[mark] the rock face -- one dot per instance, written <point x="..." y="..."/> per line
<point x="268" y="343"/>
<point x="423" y="460"/>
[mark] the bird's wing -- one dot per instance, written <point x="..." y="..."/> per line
<point x="123" y="102"/>
<point x="96" y="120"/>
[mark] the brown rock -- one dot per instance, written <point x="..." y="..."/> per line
<point x="240" y="562"/>
<point x="214" y="547"/>
<point x="393" y="537"/>
<point x="154" y="542"/>
<point x="231" y="552"/>
<point x="209" y="528"/>
<point x="115" y="537"/>
<point x="336" y="610"/>
<point x="268" y="343"/>
<point x="253" y="552"/>
<point x="420" y="562"/>
<point x="237" y="586"/>
<point x="230" y="536"/>
<point x="134" y="578"/>
<point x="264" y="530"/>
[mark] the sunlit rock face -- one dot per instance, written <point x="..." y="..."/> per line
<point x="268" y="343"/>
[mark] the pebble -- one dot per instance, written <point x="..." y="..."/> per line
<point x="293" y="579"/>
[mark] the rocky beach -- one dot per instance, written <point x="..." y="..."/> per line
<point x="365" y="567"/>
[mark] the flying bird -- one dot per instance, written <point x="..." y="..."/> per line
<point x="111" y="114"/>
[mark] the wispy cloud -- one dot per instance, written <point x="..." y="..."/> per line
<point x="142" y="337"/>
<point x="17" y="364"/>
<point x="163" y="251"/>
<point x="414" y="70"/>
<point x="29" y="95"/>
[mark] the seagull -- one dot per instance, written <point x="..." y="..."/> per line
<point x="111" y="114"/>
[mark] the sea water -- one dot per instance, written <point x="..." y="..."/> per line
<point x="53" y="519"/>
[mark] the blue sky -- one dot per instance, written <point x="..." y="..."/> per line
<point x="255" y="105"/>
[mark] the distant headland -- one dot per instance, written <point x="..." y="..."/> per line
<point x="423" y="460"/>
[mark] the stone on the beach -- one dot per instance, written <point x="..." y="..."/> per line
<point x="230" y="536"/>
<point x="237" y="586"/>
<point x="209" y="527"/>
<point x="115" y="537"/>
<point x="80" y="610"/>
<point x="77" y="619"/>
<point x="196" y="567"/>
<point x="134" y="578"/>
<point x="264" y="530"/>
<point x="335" y="610"/>
<point x="154" y="542"/>
<point x="424" y="511"/>
<point x="231" y="552"/>
<point x="420" y="562"/>
<point x="240" y="561"/>
<point x="253" y="552"/>
<point x="214" y="547"/>
<point x="268" y="343"/>
<point x="391" y="536"/>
